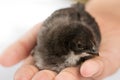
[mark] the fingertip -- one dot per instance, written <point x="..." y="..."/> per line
<point x="44" y="75"/>
<point x="26" y="72"/>
<point x="0" y="59"/>
<point x="70" y="73"/>
<point x="65" y="76"/>
<point x="4" y="62"/>
<point x="10" y="59"/>
<point x="90" y="68"/>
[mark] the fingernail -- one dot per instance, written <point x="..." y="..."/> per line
<point x="43" y="75"/>
<point x="90" y="68"/>
<point x="65" y="76"/>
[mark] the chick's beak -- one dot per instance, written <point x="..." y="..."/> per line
<point x="93" y="52"/>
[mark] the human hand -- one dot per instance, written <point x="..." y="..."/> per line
<point x="97" y="68"/>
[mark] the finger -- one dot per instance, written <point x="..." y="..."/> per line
<point x="98" y="68"/>
<point x="26" y="71"/>
<point x="20" y="49"/>
<point x="44" y="75"/>
<point x="71" y="73"/>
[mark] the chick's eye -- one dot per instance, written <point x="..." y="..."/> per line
<point x="79" y="46"/>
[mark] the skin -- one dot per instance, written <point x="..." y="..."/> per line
<point x="107" y="16"/>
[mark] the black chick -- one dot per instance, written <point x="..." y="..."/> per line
<point x="68" y="37"/>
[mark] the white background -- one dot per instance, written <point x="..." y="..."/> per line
<point x="18" y="16"/>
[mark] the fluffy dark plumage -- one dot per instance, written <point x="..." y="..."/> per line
<point x="68" y="37"/>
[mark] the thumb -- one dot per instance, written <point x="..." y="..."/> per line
<point x="97" y="68"/>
